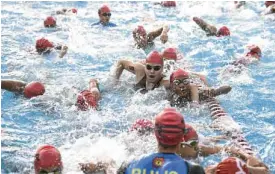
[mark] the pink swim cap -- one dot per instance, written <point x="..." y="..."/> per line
<point x="223" y="31"/>
<point x="232" y="165"/>
<point x="170" y="54"/>
<point x="50" y="21"/>
<point x="34" y="89"/>
<point x="104" y="9"/>
<point x="191" y="133"/>
<point x="42" y="44"/>
<point x="168" y="3"/>
<point x="143" y="126"/>
<point x="74" y="10"/>
<point x="178" y="73"/>
<point x="155" y="58"/>
<point x="140" y="30"/>
<point x="255" y="51"/>
<point x="85" y="100"/>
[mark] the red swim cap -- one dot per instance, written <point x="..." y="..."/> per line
<point x="42" y="44"/>
<point x="168" y="3"/>
<point x="140" y="30"/>
<point x="169" y="127"/>
<point x="232" y="165"/>
<point x="178" y="73"/>
<point x="85" y="100"/>
<point x="49" y="21"/>
<point x="143" y="126"/>
<point x="191" y="133"/>
<point x="255" y="51"/>
<point x="223" y="31"/>
<point x="34" y="89"/>
<point x="47" y="157"/>
<point x="170" y="54"/>
<point x="74" y="10"/>
<point x="104" y="9"/>
<point x="269" y="3"/>
<point x="155" y="58"/>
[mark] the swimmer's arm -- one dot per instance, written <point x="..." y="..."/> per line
<point x="159" y="32"/>
<point x="63" y="51"/>
<point x="209" y="29"/>
<point x="202" y="78"/>
<point x="129" y="66"/>
<point x="255" y="166"/>
<point x="209" y="150"/>
<point x="194" y="93"/>
<point x="13" y="85"/>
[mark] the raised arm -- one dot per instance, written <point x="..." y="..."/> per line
<point x="162" y="32"/>
<point x="209" y="29"/>
<point x="63" y="50"/>
<point x="135" y="68"/>
<point x="13" y="85"/>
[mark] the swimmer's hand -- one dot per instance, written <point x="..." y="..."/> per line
<point x="63" y="51"/>
<point x="89" y="168"/>
<point x="164" y="38"/>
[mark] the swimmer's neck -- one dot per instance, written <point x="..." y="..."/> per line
<point x="162" y="149"/>
<point x="150" y="85"/>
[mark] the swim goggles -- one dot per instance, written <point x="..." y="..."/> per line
<point x="106" y="14"/>
<point x="156" y="68"/>
<point x="56" y="171"/>
<point x="183" y="81"/>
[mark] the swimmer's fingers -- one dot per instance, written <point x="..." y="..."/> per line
<point x="164" y="38"/>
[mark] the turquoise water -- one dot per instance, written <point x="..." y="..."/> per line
<point x="94" y="135"/>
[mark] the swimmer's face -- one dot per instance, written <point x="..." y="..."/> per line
<point x="181" y="85"/>
<point x="153" y="72"/>
<point x="104" y="17"/>
<point x="187" y="150"/>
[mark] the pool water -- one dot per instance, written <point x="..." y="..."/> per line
<point x="93" y="51"/>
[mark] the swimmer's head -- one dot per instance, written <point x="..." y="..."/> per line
<point x="180" y="73"/>
<point x="73" y="10"/>
<point x="168" y="3"/>
<point x="169" y="127"/>
<point x="140" y="36"/>
<point x="50" y="22"/>
<point x="47" y="160"/>
<point x="223" y="31"/>
<point x="190" y="133"/>
<point x="143" y="126"/>
<point x="153" y="67"/>
<point x="254" y="51"/>
<point x="269" y="3"/>
<point x="85" y="100"/>
<point x="104" y="14"/>
<point x="232" y="165"/>
<point x="43" y="45"/>
<point x="169" y="54"/>
<point x="34" y="89"/>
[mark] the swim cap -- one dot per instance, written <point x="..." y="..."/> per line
<point x="154" y="57"/>
<point x="178" y="73"/>
<point x="74" y="10"/>
<point x="47" y="157"/>
<point x="140" y="30"/>
<point x="255" y="51"/>
<point x="85" y="100"/>
<point x="223" y="31"/>
<point x="34" y="89"/>
<point x="170" y="53"/>
<point x="269" y="3"/>
<point x="49" y="21"/>
<point x="168" y="3"/>
<point x="42" y="44"/>
<point x="104" y="9"/>
<point x="232" y="165"/>
<point x="143" y="126"/>
<point x="190" y="133"/>
<point x="169" y="127"/>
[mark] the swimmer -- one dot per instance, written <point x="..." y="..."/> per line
<point x="254" y="54"/>
<point x="65" y="11"/>
<point x="145" y="40"/>
<point x="50" y="22"/>
<point x="233" y="165"/>
<point x="44" y="46"/>
<point x="48" y="160"/>
<point x="29" y="90"/>
<point x="169" y="131"/>
<point x="270" y="7"/>
<point x="183" y="91"/>
<point x="210" y="29"/>
<point x="166" y="3"/>
<point x="149" y="76"/>
<point x="104" y="14"/>
<point x="143" y="126"/>
<point x="89" y="98"/>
